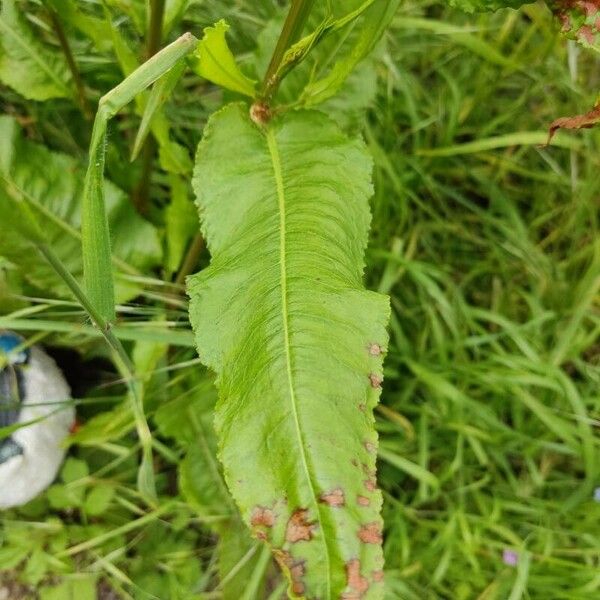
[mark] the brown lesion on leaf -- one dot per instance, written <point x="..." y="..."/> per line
<point x="295" y="568"/>
<point x="299" y="528"/>
<point x="376" y="380"/>
<point x="378" y="576"/>
<point x="333" y="498"/>
<point x="370" y="485"/>
<point x="261" y="520"/>
<point x="363" y="501"/>
<point x="370" y="447"/>
<point x="370" y="533"/>
<point x="375" y="349"/>
<point x="262" y="516"/>
<point x="356" y="583"/>
<point x="362" y="407"/>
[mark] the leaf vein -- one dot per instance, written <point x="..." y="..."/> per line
<point x="276" y="163"/>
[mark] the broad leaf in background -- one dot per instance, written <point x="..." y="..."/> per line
<point x="50" y="184"/>
<point x="282" y="317"/>
<point x="28" y="65"/>
<point x="96" y="29"/>
<point x="214" y="61"/>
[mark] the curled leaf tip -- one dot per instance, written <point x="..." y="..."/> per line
<point x="583" y="121"/>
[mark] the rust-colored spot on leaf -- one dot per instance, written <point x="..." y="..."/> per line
<point x="375" y="380"/>
<point x="362" y="407"/>
<point x="586" y="33"/>
<point x="299" y="528"/>
<point x="283" y="557"/>
<point x="296" y="569"/>
<point x="370" y="485"/>
<point x="370" y="533"/>
<point x="377" y="575"/>
<point x="370" y="447"/>
<point x="333" y="498"/>
<point x="584" y="121"/>
<point x="262" y="516"/>
<point x="374" y="349"/>
<point x="297" y="587"/>
<point x="589" y="7"/>
<point x="363" y="501"/>
<point x="356" y="582"/>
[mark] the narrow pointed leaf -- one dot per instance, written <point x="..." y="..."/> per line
<point x="214" y="61"/>
<point x="281" y="315"/>
<point x="160" y="92"/>
<point x="375" y="19"/>
<point x="97" y="266"/>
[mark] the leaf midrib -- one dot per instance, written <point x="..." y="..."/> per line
<point x="276" y="164"/>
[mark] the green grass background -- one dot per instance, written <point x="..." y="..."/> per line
<point x="487" y="243"/>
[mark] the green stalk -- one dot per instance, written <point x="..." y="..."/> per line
<point x="142" y="192"/>
<point x="290" y="33"/>
<point x="157" y="15"/>
<point x="191" y="259"/>
<point x="66" y="48"/>
<point x="146" y="476"/>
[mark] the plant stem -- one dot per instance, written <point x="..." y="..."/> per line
<point x="154" y="39"/>
<point x="115" y="344"/>
<point x="66" y="48"/>
<point x="157" y="15"/>
<point x="290" y="33"/>
<point x="190" y="260"/>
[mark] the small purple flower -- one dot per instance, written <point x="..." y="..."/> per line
<point x="597" y="494"/>
<point x="510" y="557"/>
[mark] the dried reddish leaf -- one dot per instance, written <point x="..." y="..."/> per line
<point x="584" y="121"/>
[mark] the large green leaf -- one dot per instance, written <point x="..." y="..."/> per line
<point x="26" y="64"/>
<point x="50" y="184"/>
<point x="281" y="315"/>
